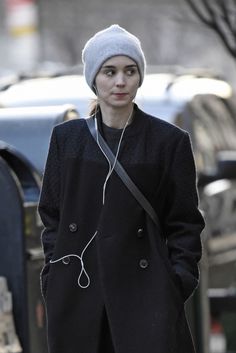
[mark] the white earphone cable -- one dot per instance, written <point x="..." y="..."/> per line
<point x="111" y="168"/>
<point x="81" y="261"/>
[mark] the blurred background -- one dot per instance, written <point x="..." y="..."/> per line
<point x="190" y="47"/>
<point x="36" y="33"/>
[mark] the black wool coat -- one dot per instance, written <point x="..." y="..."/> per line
<point x="140" y="277"/>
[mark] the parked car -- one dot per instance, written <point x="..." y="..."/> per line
<point x="180" y="99"/>
<point x="161" y="94"/>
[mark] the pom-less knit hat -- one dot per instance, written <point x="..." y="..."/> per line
<point x="111" y="41"/>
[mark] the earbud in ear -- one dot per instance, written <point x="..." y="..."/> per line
<point x="95" y="88"/>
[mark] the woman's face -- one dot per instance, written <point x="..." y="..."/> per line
<point x="117" y="82"/>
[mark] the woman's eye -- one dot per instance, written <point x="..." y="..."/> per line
<point x="109" y="73"/>
<point x="130" y="72"/>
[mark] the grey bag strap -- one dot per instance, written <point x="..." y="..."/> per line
<point x="123" y="174"/>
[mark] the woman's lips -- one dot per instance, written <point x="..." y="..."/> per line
<point x="120" y="95"/>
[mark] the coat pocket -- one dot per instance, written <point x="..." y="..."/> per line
<point x="162" y="253"/>
<point x="175" y="279"/>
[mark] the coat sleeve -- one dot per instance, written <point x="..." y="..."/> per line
<point x="183" y="220"/>
<point x="50" y="199"/>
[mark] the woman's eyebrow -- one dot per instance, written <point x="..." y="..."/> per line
<point x="132" y="65"/>
<point x="108" y="67"/>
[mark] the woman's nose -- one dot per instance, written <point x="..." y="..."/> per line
<point x="120" y="79"/>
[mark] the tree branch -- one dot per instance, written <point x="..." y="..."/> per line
<point x="199" y="12"/>
<point x="229" y="10"/>
<point x="221" y="25"/>
<point x="220" y="17"/>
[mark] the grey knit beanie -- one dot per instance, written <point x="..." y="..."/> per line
<point x="111" y="41"/>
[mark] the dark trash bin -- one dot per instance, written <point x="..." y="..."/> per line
<point x="24" y="140"/>
<point x="19" y="236"/>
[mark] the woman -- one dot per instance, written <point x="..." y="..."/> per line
<point x="114" y="281"/>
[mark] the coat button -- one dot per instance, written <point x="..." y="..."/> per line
<point x="140" y="233"/>
<point x="66" y="260"/>
<point x="143" y="263"/>
<point x="73" y="227"/>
